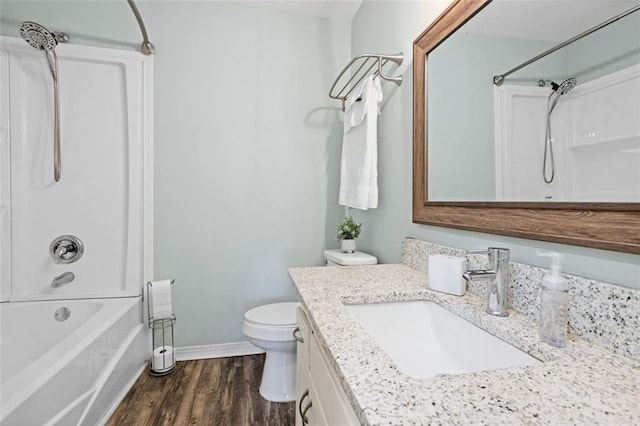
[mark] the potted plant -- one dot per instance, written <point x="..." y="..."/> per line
<point x="348" y="231"/>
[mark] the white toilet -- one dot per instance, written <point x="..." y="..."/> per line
<point x="270" y="327"/>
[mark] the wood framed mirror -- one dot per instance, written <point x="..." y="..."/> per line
<point x="608" y="225"/>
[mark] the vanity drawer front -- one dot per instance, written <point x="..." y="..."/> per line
<point x="329" y="393"/>
<point x="317" y="415"/>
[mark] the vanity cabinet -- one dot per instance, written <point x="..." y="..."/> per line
<point x="320" y="398"/>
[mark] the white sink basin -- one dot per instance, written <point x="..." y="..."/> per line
<point x="426" y="340"/>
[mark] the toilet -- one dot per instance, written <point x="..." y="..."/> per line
<point x="270" y="327"/>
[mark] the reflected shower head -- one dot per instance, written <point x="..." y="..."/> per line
<point x="559" y="90"/>
<point x="38" y="36"/>
<point x="564" y="87"/>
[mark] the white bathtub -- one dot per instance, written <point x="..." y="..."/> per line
<point x="68" y="372"/>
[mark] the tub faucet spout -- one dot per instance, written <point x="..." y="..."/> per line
<point x="63" y="279"/>
<point x="497" y="277"/>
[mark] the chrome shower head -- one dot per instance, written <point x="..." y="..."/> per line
<point x="559" y="90"/>
<point x="38" y="36"/>
<point x="564" y="87"/>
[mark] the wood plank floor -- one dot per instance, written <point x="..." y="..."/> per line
<point x="222" y="391"/>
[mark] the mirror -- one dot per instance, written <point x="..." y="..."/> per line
<point x="588" y="128"/>
<point x="593" y="220"/>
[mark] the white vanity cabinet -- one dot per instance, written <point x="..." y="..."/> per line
<point x="320" y="398"/>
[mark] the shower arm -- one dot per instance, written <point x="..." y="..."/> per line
<point x="499" y="79"/>
<point x="146" y="47"/>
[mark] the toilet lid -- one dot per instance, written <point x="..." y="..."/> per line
<point x="349" y="259"/>
<point x="276" y="314"/>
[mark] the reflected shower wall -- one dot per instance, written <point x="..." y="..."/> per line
<point x="596" y="137"/>
<point x="461" y="126"/>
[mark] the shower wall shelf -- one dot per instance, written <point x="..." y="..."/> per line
<point x="367" y="64"/>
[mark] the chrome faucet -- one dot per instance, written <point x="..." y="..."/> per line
<point x="66" y="249"/>
<point x="63" y="279"/>
<point x="59" y="253"/>
<point x="498" y="279"/>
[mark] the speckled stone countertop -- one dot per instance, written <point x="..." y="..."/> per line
<point x="580" y="384"/>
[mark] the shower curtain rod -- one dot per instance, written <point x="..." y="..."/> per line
<point x="499" y="79"/>
<point x="146" y="47"/>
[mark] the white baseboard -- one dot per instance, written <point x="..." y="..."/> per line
<point x="223" y="350"/>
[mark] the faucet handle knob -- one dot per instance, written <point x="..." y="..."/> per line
<point x="66" y="249"/>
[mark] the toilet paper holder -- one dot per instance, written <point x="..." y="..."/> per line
<point x="163" y="357"/>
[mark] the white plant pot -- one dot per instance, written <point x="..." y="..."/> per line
<point x="348" y="246"/>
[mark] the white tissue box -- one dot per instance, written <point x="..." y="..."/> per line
<point x="445" y="274"/>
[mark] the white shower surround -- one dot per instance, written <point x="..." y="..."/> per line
<point x="104" y="198"/>
<point x="596" y="136"/>
<point x="104" y="195"/>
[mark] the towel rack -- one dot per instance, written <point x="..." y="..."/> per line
<point x="375" y="62"/>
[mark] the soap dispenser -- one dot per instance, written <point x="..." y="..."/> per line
<point x="554" y="305"/>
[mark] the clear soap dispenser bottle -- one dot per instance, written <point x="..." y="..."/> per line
<point x="554" y="305"/>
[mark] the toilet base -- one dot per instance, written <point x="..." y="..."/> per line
<point x="278" y="382"/>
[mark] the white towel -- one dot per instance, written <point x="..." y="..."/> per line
<point x="359" y="166"/>
<point x="161" y="300"/>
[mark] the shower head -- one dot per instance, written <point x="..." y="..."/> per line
<point x="38" y="36"/>
<point x="559" y="90"/>
<point x="46" y="41"/>
<point x="564" y="87"/>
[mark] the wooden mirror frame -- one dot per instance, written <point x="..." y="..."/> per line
<point x="609" y="226"/>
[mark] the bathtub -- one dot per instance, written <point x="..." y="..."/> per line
<point x="68" y="371"/>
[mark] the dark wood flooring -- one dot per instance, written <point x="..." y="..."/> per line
<point x="222" y="391"/>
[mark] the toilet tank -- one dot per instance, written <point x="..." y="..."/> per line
<point x="337" y="257"/>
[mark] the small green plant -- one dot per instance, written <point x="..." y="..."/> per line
<point x="348" y="229"/>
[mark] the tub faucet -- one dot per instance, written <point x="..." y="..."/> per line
<point x="66" y="249"/>
<point x="497" y="276"/>
<point x="62" y="279"/>
<point x="59" y="253"/>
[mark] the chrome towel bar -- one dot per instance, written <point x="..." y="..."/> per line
<point x="369" y="63"/>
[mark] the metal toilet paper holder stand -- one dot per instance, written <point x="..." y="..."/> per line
<point x="163" y="355"/>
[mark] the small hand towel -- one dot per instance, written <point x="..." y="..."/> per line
<point x="359" y="165"/>
<point x="161" y="300"/>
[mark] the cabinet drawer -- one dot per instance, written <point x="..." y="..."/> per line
<point x="329" y="393"/>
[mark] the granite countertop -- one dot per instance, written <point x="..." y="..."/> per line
<point x="580" y="384"/>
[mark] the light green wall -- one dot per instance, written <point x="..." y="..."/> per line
<point x="607" y="50"/>
<point x="390" y="26"/>
<point x="245" y="139"/>
<point x="460" y="116"/>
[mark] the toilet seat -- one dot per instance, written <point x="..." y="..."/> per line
<point x="275" y="314"/>
<point x="274" y="322"/>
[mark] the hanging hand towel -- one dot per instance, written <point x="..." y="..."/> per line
<point x="161" y="300"/>
<point x="359" y="166"/>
